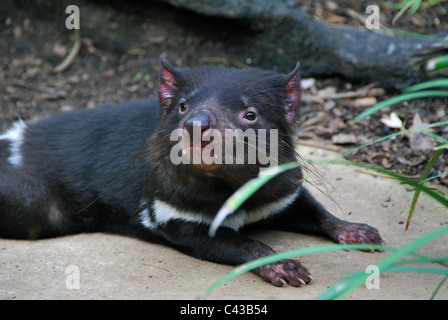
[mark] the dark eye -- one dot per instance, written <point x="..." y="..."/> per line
<point x="183" y="106"/>
<point x="251" y="116"/>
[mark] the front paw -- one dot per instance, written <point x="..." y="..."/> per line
<point x="346" y="232"/>
<point x="285" y="272"/>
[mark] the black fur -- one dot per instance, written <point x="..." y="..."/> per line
<point x="105" y="169"/>
<point x="84" y="164"/>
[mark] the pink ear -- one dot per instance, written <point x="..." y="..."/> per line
<point x="293" y="91"/>
<point x="167" y="84"/>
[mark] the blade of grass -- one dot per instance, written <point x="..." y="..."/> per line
<point x="415" y="6"/>
<point x="435" y="177"/>
<point x="424" y="259"/>
<point x="438" y="288"/>
<point x="418" y="270"/>
<point x="400" y="98"/>
<point x="425" y="173"/>
<point x="406" y="33"/>
<point x="399" y="5"/>
<point x="437" y="63"/>
<point x="437" y="83"/>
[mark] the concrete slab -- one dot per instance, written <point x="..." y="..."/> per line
<point x="116" y="267"/>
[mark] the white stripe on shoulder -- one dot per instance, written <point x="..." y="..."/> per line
<point x="145" y="220"/>
<point x="165" y="212"/>
<point x="144" y="216"/>
<point x="15" y="136"/>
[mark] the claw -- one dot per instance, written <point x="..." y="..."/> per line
<point x="285" y="272"/>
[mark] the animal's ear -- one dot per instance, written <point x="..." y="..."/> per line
<point x="167" y="83"/>
<point x="292" y="86"/>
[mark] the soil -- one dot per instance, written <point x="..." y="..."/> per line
<point x="118" y="61"/>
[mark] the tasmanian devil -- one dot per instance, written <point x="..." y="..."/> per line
<point x="117" y="168"/>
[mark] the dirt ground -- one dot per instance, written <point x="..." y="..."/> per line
<point x="118" y="61"/>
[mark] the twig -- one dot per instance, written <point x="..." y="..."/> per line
<point x="68" y="61"/>
<point x="403" y="10"/>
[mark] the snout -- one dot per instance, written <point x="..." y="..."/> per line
<point x="200" y="119"/>
<point x="199" y="126"/>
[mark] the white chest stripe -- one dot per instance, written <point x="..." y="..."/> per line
<point x="15" y="136"/>
<point x="164" y="212"/>
<point x="271" y="208"/>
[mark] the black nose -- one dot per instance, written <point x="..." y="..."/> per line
<point x="201" y="118"/>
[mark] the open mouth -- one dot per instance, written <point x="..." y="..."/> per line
<point x="193" y="148"/>
<point x="200" y="157"/>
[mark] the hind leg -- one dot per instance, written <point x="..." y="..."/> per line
<point x="28" y="209"/>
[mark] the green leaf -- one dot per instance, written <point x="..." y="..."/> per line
<point x="138" y="76"/>
<point x="415" y="6"/>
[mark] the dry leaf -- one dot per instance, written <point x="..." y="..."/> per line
<point x="364" y="102"/>
<point x="385" y="163"/>
<point x="392" y="121"/>
<point x="419" y="141"/>
<point x="326" y="92"/>
<point x="344" y="138"/>
<point x="308" y="83"/>
<point x="335" y="19"/>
